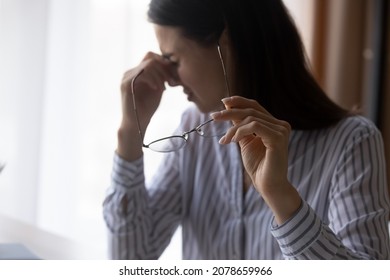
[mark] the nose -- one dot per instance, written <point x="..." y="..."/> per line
<point x="174" y="82"/>
<point x="174" y="79"/>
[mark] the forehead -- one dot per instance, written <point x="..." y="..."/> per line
<point x="171" y="40"/>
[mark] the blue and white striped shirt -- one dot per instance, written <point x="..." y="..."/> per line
<point x="339" y="173"/>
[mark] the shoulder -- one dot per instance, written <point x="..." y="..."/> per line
<point x="344" y="134"/>
<point x="355" y="131"/>
<point x="356" y="126"/>
<point x="360" y="122"/>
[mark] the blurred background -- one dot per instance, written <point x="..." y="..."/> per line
<point x="61" y="64"/>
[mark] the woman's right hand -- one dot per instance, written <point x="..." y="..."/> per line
<point x="149" y="87"/>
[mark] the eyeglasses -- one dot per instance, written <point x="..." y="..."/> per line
<point x="172" y="143"/>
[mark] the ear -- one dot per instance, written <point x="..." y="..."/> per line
<point x="224" y="39"/>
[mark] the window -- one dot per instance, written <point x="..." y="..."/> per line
<point x="60" y="72"/>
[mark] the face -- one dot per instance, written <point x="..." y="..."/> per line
<point x="199" y="68"/>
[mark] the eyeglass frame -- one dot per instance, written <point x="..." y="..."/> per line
<point x="185" y="134"/>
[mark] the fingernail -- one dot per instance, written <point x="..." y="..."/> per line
<point x="224" y="100"/>
<point x="222" y="140"/>
<point x="215" y="115"/>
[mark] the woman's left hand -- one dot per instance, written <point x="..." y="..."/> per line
<point x="263" y="140"/>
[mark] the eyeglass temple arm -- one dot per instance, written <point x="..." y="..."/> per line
<point x="197" y="128"/>
<point x="224" y="69"/>
<point x="135" y="107"/>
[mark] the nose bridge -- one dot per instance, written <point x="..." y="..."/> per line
<point x="185" y="135"/>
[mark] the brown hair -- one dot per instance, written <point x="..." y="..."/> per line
<point x="269" y="54"/>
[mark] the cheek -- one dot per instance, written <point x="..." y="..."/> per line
<point x="205" y="81"/>
<point x="187" y="77"/>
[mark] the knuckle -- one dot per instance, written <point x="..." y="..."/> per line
<point x="250" y="119"/>
<point x="283" y="132"/>
<point x="286" y="126"/>
<point x="280" y="135"/>
<point x="252" y="111"/>
<point x="149" y="55"/>
<point x="256" y="125"/>
<point x="253" y="102"/>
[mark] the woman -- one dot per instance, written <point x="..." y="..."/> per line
<point x="290" y="175"/>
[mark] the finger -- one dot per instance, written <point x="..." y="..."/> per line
<point x="242" y="102"/>
<point x="270" y="133"/>
<point x="237" y="115"/>
<point x="169" y="68"/>
<point x="155" y="56"/>
<point x="154" y="76"/>
<point x="146" y="80"/>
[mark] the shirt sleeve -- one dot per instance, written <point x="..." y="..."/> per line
<point x="358" y="209"/>
<point x="141" y="220"/>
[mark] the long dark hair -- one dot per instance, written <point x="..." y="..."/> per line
<point x="269" y="54"/>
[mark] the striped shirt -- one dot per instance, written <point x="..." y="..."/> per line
<point x="338" y="171"/>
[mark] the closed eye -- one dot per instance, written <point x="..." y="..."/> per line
<point x="169" y="58"/>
